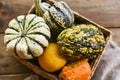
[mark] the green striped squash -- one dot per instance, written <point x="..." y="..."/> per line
<point x="58" y="16"/>
<point x="27" y="36"/>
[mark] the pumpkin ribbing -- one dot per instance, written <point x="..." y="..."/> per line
<point x="27" y="36"/>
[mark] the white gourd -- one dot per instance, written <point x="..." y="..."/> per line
<point x="27" y="36"/>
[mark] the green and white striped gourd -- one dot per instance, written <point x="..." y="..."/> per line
<point x="58" y="16"/>
<point x="27" y="36"/>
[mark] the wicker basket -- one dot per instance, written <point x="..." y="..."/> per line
<point x="33" y="65"/>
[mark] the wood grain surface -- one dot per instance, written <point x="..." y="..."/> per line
<point x="103" y="12"/>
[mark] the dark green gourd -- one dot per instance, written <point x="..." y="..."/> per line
<point x="58" y="16"/>
<point x="81" y="41"/>
<point x="27" y="36"/>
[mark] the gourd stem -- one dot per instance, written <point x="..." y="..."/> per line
<point x="41" y="7"/>
<point x="38" y="6"/>
<point x="23" y="33"/>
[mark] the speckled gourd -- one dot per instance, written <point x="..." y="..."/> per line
<point x="27" y="36"/>
<point x="81" y="41"/>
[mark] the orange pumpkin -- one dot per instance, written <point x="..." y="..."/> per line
<point x="79" y="70"/>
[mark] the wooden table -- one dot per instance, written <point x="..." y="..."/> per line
<point x="103" y="12"/>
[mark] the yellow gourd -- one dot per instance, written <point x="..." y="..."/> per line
<point x="51" y="60"/>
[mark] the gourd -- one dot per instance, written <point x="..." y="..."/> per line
<point x="27" y="36"/>
<point x="78" y="70"/>
<point x="81" y="41"/>
<point x="51" y="60"/>
<point x="58" y="16"/>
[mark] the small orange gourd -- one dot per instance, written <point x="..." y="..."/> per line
<point x="79" y="70"/>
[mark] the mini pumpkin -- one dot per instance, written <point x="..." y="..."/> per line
<point x="81" y="41"/>
<point x="27" y="36"/>
<point x="58" y="16"/>
<point x="78" y="70"/>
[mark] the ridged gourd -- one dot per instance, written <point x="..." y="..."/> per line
<point x="27" y="36"/>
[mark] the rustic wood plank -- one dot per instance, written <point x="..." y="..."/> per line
<point x="116" y="35"/>
<point x="12" y="8"/>
<point x="13" y="77"/>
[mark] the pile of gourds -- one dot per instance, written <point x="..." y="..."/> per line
<point x="27" y="36"/>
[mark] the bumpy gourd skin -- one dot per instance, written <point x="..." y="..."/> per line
<point x="58" y="16"/>
<point x="81" y="41"/>
<point x="27" y="36"/>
